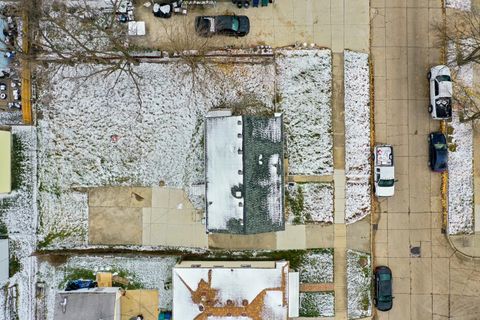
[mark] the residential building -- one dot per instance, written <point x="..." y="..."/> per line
<point x="244" y="173"/>
<point x="235" y="290"/>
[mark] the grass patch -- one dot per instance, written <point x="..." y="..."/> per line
<point x="14" y="265"/>
<point x="294" y="257"/>
<point x="52" y="236"/>
<point x="317" y="304"/>
<point x="295" y="203"/>
<point x="317" y="266"/>
<point x="87" y="274"/>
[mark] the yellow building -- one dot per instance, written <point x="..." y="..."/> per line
<point x="5" y="161"/>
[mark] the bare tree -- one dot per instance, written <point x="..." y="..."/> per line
<point x="461" y="33"/>
<point x="69" y="34"/>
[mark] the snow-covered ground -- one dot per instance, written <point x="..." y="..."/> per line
<point x="18" y="214"/>
<point x="94" y="132"/>
<point x="149" y="272"/>
<point x="460" y="155"/>
<point x="317" y="304"/>
<point x="309" y="202"/>
<point x="357" y="135"/>
<point x="359" y="278"/>
<point x="317" y="266"/>
<point x="304" y="94"/>
<point x="459" y="4"/>
<point x="11" y="118"/>
<point x="460" y="176"/>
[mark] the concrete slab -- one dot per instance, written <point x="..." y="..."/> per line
<point x="318" y="236"/>
<point x="421" y="306"/>
<point x="358" y="235"/>
<point x="115" y="225"/>
<point x="292" y="238"/>
<point x="266" y="241"/>
<point x="420" y="283"/>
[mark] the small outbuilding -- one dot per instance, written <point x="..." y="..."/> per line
<point x="88" y="304"/>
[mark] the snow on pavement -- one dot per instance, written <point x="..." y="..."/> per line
<point x="357" y="136"/>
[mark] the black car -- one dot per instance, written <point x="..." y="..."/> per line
<point x="383" y="288"/>
<point x="234" y="26"/>
<point x="438" y="152"/>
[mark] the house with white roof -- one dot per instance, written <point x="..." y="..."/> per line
<point x="235" y="290"/>
<point x="244" y="173"/>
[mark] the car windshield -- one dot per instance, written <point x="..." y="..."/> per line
<point x="440" y="146"/>
<point x="235" y="24"/>
<point x="443" y="78"/>
<point x="386" y="183"/>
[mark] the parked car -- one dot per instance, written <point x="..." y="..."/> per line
<point x="384" y="171"/>
<point x="383" y="299"/>
<point x="437" y="152"/>
<point x="440" y="92"/>
<point x="235" y="26"/>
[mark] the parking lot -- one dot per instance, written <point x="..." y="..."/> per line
<point x="326" y="23"/>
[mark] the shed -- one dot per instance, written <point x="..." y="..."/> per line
<point x="5" y="161"/>
<point x="88" y="304"/>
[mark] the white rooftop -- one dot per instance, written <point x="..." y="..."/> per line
<point x="224" y="170"/>
<point x="231" y="293"/>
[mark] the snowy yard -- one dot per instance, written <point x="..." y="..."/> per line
<point x="460" y="155"/>
<point x="317" y="266"/>
<point x="18" y="219"/>
<point x="126" y="143"/>
<point x="460" y="173"/>
<point x="309" y="203"/>
<point x="357" y="136"/>
<point x="317" y="304"/>
<point x="304" y="94"/>
<point x="359" y="278"/>
<point x="146" y="272"/>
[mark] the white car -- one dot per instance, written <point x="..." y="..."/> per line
<point x="384" y="171"/>
<point x="440" y="93"/>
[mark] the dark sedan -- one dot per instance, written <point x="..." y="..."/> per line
<point x="438" y="152"/>
<point x="235" y="26"/>
<point x="383" y="288"/>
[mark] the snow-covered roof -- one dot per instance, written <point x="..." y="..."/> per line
<point x="87" y="304"/>
<point x="231" y="293"/>
<point x="244" y="160"/>
<point x="224" y="144"/>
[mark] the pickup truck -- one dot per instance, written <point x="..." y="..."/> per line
<point x="384" y="171"/>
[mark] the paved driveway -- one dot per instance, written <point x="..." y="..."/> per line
<point x="435" y="284"/>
